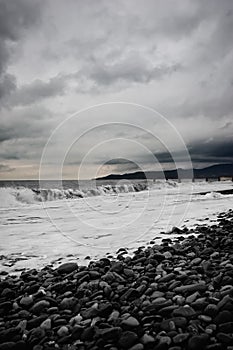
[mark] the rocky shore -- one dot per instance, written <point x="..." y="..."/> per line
<point x="177" y="295"/>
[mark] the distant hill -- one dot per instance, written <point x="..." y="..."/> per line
<point x="211" y="172"/>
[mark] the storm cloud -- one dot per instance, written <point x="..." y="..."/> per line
<point x="16" y="17"/>
<point x="58" y="57"/>
<point x="39" y="90"/>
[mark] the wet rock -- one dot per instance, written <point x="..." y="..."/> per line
<point x="47" y="324"/>
<point x="38" y="307"/>
<point x="180" y="338"/>
<point x="36" y="321"/>
<point x="5" y="307"/>
<point x="36" y="335"/>
<point x="8" y="346"/>
<point x="130" y="294"/>
<point x="195" y="261"/>
<point x="223" y="317"/>
<point x="130" y="322"/>
<point x="117" y="266"/>
<point x="63" y="331"/>
<point x="224" y="338"/>
<point x="167" y="278"/>
<point x="167" y="325"/>
<point x="105" y="310"/>
<point x="68" y="303"/>
<point x="211" y="310"/>
<point x="110" y="334"/>
<point x="87" y="334"/>
<point x="198" y="342"/>
<point x="8" y="335"/>
<point x="67" y="267"/>
<point x="226" y="327"/>
<point x="128" y="339"/>
<point x="8" y="293"/>
<point x="89" y="313"/>
<point x="147" y="339"/>
<point x="137" y="347"/>
<point x="195" y="287"/>
<point x="26" y="301"/>
<point x="184" y="311"/>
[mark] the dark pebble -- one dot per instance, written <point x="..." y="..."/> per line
<point x="67" y="267"/>
<point x="128" y="339"/>
<point x="198" y="342"/>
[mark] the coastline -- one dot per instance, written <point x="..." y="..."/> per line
<point x="176" y="295"/>
<point x="29" y="238"/>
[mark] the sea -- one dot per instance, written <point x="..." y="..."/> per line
<point x="50" y="222"/>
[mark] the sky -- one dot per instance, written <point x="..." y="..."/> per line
<point x="93" y="87"/>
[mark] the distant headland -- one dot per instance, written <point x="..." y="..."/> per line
<point x="215" y="171"/>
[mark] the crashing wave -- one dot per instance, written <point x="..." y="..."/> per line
<point x="214" y="195"/>
<point x="12" y="196"/>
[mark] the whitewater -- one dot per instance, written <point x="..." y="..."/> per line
<point x="47" y="225"/>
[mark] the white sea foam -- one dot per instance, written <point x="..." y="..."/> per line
<point x="54" y="223"/>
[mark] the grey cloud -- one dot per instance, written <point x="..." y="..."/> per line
<point x="227" y="125"/>
<point x="7" y="84"/>
<point x="119" y="165"/>
<point x="157" y="54"/>
<point x="131" y="69"/>
<point x="39" y="90"/>
<point x="118" y="161"/>
<point x="16" y="16"/>
<point x="25" y="124"/>
<point x="215" y="150"/>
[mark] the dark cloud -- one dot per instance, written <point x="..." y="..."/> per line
<point x="16" y="17"/>
<point x="24" y="124"/>
<point x="7" y="83"/>
<point x="131" y="69"/>
<point x="214" y="151"/>
<point x="60" y="56"/>
<point x="39" y="90"/>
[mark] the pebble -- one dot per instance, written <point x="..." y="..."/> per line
<point x="62" y="331"/>
<point x="39" y="306"/>
<point x="130" y="322"/>
<point x="109" y="334"/>
<point x="198" y="342"/>
<point x="67" y="267"/>
<point x="147" y="339"/>
<point x="170" y="296"/>
<point x="8" y="346"/>
<point x="46" y="324"/>
<point x="195" y="287"/>
<point x="128" y="339"/>
<point x="205" y="318"/>
<point x="184" y="311"/>
<point x="180" y="338"/>
<point x="26" y="301"/>
<point x="136" y="347"/>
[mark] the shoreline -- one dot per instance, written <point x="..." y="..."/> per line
<point x="174" y="295"/>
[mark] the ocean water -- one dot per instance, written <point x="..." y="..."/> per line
<point x="51" y="222"/>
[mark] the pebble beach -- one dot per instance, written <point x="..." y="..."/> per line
<point x="174" y="295"/>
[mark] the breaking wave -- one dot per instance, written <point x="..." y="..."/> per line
<point x="14" y="196"/>
<point x="214" y="195"/>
